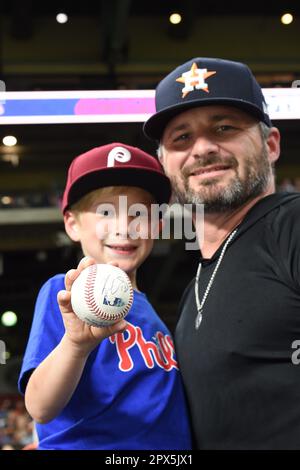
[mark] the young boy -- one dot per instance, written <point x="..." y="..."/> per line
<point x="116" y="387"/>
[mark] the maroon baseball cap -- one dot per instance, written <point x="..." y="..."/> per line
<point x="115" y="164"/>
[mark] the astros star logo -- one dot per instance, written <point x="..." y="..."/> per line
<point x="194" y="79"/>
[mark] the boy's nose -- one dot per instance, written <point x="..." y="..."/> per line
<point x="123" y="221"/>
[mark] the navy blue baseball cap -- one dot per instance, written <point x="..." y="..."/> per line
<point x="206" y="81"/>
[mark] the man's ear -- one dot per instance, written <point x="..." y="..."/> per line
<point x="273" y="144"/>
<point x="159" y="153"/>
<point x="72" y="226"/>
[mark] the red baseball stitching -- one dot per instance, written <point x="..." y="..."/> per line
<point x="92" y="303"/>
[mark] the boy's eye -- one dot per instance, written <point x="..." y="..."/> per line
<point x="105" y="212"/>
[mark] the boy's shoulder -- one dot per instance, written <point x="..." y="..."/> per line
<point x="56" y="279"/>
<point x="54" y="283"/>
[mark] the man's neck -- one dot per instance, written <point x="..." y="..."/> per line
<point x="218" y="226"/>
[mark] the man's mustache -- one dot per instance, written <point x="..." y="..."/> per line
<point x="203" y="162"/>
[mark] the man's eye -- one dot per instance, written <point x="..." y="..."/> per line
<point x="225" y="128"/>
<point x="181" y="137"/>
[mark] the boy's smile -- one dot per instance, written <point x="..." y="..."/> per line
<point x="121" y="249"/>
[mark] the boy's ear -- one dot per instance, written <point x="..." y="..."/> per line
<point x="72" y="226"/>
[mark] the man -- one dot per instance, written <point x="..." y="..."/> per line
<point x="241" y="315"/>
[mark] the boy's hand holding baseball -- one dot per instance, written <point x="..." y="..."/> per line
<point x="81" y="336"/>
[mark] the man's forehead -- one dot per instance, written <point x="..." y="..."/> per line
<point x="213" y="113"/>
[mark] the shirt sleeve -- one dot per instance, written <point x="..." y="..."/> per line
<point x="46" y="331"/>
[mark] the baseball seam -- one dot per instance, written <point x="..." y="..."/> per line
<point x="92" y="303"/>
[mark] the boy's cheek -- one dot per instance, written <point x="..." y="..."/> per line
<point x="104" y="228"/>
<point x="135" y="229"/>
<point x="141" y="229"/>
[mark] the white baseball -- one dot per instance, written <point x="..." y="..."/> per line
<point x="101" y="295"/>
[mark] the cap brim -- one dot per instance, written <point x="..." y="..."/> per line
<point x="153" y="182"/>
<point x="156" y="124"/>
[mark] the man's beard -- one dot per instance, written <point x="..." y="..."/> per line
<point x="216" y="199"/>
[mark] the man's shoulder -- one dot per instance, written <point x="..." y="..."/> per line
<point x="282" y="223"/>
<point x="288" y="209"/>
<point x="275" y="209"/>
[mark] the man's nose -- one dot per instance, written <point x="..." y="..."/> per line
<point x="203" y="146"/>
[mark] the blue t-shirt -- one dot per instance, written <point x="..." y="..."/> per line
<point x="130" y="395"/>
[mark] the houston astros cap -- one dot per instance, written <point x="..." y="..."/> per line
<point x="115" y="164"/>
<point x="206" y="81"/>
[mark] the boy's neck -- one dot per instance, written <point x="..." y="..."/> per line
<point x="132" y="277"/>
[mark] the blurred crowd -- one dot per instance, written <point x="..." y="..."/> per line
<point x="30" y="199"/>
<point x="16" y="426"/>
<point x="290" y="185"/>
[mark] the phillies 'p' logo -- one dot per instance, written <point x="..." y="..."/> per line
<point x="118" y="154"/>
